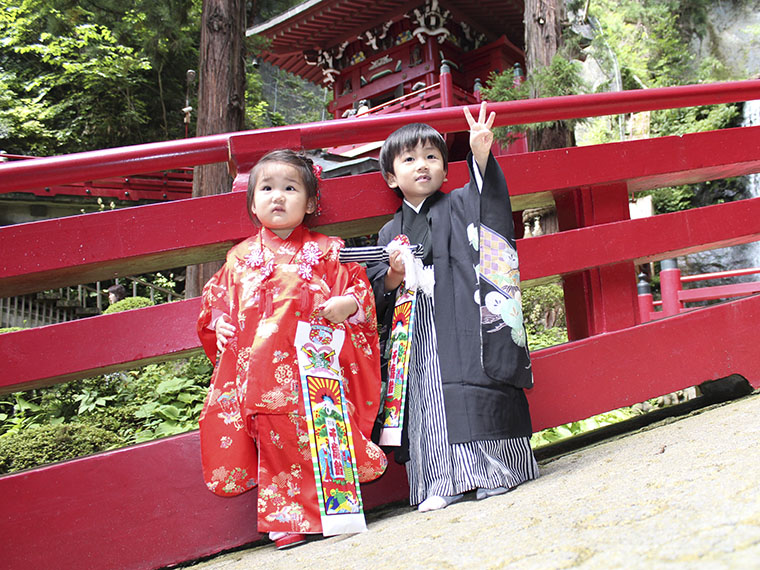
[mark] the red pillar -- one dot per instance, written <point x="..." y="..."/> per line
<point x="646" y="301"/>
<point x="670" y="285"/>
<point x="602" y="299"/>
<point x="432" y="61"/>
<point x="447" y="87"/>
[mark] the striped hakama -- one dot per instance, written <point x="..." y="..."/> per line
<point x="436" y="467"/>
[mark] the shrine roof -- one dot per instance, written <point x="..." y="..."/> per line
<point x="323" y="24"/>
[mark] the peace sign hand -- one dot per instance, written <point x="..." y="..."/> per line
<point x="481" y="136"/>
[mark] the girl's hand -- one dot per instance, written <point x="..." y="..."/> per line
<point x="225" y="330"/>
<point x="338" y="309"/>
<point x="481" y="136"/>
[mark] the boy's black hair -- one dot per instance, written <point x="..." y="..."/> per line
<point x="408" y="137"/>
<point x="302" y="163"/>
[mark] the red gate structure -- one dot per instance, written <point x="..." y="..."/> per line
<point x="146" y="506"/>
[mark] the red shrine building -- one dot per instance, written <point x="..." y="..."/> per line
<point x="394" y="55"/>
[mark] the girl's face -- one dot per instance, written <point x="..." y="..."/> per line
<point x="280" y="199"/>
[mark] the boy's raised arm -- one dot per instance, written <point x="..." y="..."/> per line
<point x="481" y="136"/>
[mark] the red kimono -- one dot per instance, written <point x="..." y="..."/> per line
<point x="253" y="427"/>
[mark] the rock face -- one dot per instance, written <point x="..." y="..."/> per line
<point x="734" y="37"/>
<point x="740" y="256"/>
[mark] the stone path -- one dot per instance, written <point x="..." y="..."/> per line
<point x="683" y="493"/>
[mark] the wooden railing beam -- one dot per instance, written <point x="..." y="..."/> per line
<point x="542" y="258"/>
<point x="20" y="176"/>
<point x="160" y="236"/>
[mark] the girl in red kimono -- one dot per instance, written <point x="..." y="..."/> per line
<point x="253" y="427"/>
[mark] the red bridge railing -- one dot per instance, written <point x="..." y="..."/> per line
<point x="675" y="297"/>
<point x="146" y="506"/>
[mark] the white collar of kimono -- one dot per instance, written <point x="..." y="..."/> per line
<point x="478" y="181"/>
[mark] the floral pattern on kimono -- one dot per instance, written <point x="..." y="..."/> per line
<point x="253" y="428"/>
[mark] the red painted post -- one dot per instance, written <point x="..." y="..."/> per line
<point x="646" y="302"/>
<point x="447" y="87"/>
<point x="519" y="76"/>
<point x="602" y="299"/>
<point x="476" y="90"/>
<point x="670" y="285"/>
<point x="432" y="61"/>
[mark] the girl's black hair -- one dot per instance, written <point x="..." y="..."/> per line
<point x="302" y="163"/>
<point x="406" y="138"/>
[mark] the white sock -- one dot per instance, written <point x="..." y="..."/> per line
<point x="483" y="493"/>
<point x="437" y="502"/>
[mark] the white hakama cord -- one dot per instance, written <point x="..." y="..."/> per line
<point x="436" y="467"/>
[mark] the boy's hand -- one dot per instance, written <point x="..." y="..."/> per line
<point x="396" y="261"/>
<point x="338" y="309"/>
<point x="481" y="137"/>
<point x="225" y="330"/>
<point x="396" y="271"/>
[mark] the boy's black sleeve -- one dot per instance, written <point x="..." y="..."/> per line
<point x="495" y="206"/>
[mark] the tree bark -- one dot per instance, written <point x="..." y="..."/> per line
<point x="543" y="39"/>
<point x="221" y="103"/>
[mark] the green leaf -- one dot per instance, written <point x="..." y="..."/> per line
<point x="169" y="412"/>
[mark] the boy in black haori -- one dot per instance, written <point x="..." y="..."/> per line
<point x="466" y="423"/>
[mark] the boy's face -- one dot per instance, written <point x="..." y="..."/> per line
<point x="418" y="172"/>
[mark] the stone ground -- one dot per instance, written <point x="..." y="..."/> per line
<point x="683" y="493"/>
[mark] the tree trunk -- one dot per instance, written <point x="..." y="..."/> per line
<point x="543" y="39"/>
<point x="221" y="103"/>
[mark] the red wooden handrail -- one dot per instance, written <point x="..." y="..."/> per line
<point x="719" y="275"/>
<point x="674" y="296"/>
<point x="132" y="241"/>
<point x="22" y="175"/>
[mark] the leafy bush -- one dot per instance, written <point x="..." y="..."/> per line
<point x="562" y="77"/>
<point x="544" y="314"/>
<point x="107" y="411"/>
<point x="128" y="304"/>
<point x="177" y="402"/>
<point x="121" y="408"/>
<point x="10" y="329"/>
<point x="552" y="435"/>
<point x="42" y="444"/>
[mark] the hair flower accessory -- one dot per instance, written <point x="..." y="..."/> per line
<point x="317" y="171"/>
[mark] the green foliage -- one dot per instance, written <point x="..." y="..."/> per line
<point x="650" y="40"/>
<point x="552" y="435"/>
<point x="40" y="444"/>
<point x="672" y="199"/>
<point x="168" y="282"/>
<point x="544" y="315"/>
<point x="128" y="304"/>
<point x="177" y="402"/>
<point x="10" y="329"/>
<point x="108" y="411"/>
<point x="88" y="75"/>
<point x="277" y="98"/>
<point x="560" y="78"/>
<point x="82" y="76"/>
